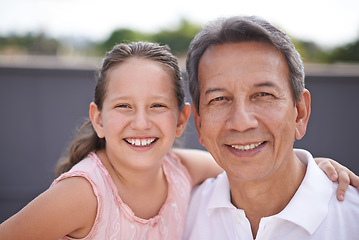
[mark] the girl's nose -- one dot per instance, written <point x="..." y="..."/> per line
<point x="141" y="121"/>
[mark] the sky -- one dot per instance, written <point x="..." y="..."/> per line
<point x="329" y="23"/>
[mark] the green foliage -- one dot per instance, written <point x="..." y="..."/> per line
<point x="38" y="44"/>
<point x="346" y="53"/>
<point x="124" y="35"/>
<point x="177" y="38"/>
<point x="310" y="51"/>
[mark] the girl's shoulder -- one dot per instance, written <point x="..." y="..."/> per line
<point x="67" y="208"/>
<point x="90" y="168"/>
<point x="82" y="202"/>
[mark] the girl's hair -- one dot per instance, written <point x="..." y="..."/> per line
<point x="86" y="139"/>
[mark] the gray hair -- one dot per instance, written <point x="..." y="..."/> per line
<point x="243" y="29"/>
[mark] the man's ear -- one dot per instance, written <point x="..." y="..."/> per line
<point x="303" y="113"/>
<point x="197" y="122"/>
<point x="183" y="119"/>
<point x="96" y="120"/>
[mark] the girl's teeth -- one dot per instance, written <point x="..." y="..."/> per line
<point x="246" y="147"/>
<point x="141" y="142"/>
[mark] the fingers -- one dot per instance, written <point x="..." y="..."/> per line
<point x="354" y="180"/>
<point x="343" y="184"/>
<point x="328" y="168"/>
<point x="338" y="172"/>
<point x="346" y="178"/>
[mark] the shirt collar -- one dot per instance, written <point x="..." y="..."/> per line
<point x="221" y="195"/>
<point x="309" y="205"/>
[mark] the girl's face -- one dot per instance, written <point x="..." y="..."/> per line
<point x="140" y="117"/>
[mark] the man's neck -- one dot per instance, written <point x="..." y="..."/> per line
<point x="267" y="197"/>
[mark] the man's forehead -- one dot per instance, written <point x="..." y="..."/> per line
<point x="256" y="64"/>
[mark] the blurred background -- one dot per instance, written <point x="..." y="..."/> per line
<point x="51" y="49"/>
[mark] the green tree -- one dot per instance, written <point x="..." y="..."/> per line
<point x="124" y="35"/>
<point x="33" y="44"/>
<point x="178" y="40"/>
<point x="346" y="53"/>
<point x="310" y="51"/>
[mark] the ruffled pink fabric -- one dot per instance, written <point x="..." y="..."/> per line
<point x="115" y="220"/>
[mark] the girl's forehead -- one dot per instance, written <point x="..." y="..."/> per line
<point x="146" y="77"/>
<point x="137" y="66"/>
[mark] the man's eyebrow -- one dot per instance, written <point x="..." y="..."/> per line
<point x="214" y="90"/>
<point x="265" y="84"/>
<point x="262" y="84"/>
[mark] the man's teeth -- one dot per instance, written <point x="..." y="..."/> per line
<point x="247" y="147"/>
<point x="141" y="142"/>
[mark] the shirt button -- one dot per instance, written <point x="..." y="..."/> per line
<point x="237" y="219"/>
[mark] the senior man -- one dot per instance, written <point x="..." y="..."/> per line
<point x="250" y="104"/>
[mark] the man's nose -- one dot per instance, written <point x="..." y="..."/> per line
<point x="242" y="117"/>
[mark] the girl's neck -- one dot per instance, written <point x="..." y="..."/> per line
<point x="143" y="191"/>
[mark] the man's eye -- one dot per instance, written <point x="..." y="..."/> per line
<point x="217" y="99"/>
<point x="264" y="94"/>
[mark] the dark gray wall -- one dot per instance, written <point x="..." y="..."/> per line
<point x="40" y="109"/>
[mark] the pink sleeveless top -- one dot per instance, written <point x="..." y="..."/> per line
<point x="115" y="220"/>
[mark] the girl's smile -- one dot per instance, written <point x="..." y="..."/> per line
<point x="140" y="142"/>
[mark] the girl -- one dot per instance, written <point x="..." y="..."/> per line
<point x="121" y="179"/>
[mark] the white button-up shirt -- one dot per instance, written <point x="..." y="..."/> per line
<point x="313" y="213"/>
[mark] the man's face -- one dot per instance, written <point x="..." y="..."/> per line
<point x="247" y="117"/>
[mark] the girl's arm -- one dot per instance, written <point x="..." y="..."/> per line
<point x="201" y="165"/>
<point x="337" y="172"/>
<point x="69" y="207"/>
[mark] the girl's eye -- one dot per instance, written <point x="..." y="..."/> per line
<point x="158" y="105"/>
<point x="123" y="106"/>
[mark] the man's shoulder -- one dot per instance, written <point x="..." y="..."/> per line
<point x="351" y="196"/>
<point x="205" y="189"/>
<point x="207" y="196"/>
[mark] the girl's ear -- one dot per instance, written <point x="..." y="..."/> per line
<point x="303" y="113"/>
<point x="96" y="120"/>
<point x="183" y="119"/>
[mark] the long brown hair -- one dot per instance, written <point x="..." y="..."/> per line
<point x="86" y="139"/>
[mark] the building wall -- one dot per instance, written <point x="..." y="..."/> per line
<point x="41" y="108"/>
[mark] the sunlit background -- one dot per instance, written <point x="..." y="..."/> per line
<point x="323" y="30"/>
